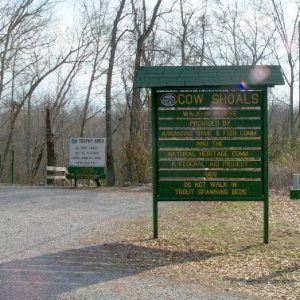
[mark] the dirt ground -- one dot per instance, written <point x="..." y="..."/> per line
<point x="222" y="244"/>
<point x="73" y="244"/>
<point x="97" y="244"/>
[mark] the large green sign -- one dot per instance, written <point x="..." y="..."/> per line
<point x="210" y="145"/>
<point x="210" y="139"/>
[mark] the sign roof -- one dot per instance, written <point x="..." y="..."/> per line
<point x="209" y="76"/>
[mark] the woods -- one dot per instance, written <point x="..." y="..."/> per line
<point x="60" y="80"/>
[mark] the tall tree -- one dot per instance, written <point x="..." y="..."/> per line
<point x="142" y="29"/>
<point x="108" y="95"/>
<point x="241" y="35"/>
<point x="187" y="32"/>
<point x="289" y="42"/>
<point x="16" y="107"/>
<point x="22" y="33"/>
<point x="97" y="32"/>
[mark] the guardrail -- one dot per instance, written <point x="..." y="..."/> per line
<point x="56" y="173"/>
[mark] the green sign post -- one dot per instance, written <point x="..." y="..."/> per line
<point x="210" y="141"/>
<point x="87" y="159"/>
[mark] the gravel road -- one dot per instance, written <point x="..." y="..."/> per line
<point x="43" y="257"/>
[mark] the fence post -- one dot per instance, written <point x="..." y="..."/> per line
<point x="296" y="185"/>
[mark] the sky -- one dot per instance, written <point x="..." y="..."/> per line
<point x="65" y="12"/>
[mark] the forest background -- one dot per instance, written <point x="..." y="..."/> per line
<point x="68" y="69"/>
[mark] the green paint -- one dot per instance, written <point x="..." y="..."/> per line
<point x="173" y="123"/>
<point x="210" y="154"/>
<point x="213" y="99"/>
<point x="197" y="189"/>
<point x="222" y="113"/>
<point x="265" y="166"/>
<point x="186" y="153"/>
<point x="209" y="133"/>
<point x="204" y="76"/>
<point x="211" y="164"/>
<point x="294" y="194"/>
<point x="209" y="174"/>
<point x="86" y="173"/>
<point x="154" y="163"/>
<point x="217" y="143"/>
<point x="205" y="152"/>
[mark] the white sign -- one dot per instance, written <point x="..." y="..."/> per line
<point x="87" y="152"/>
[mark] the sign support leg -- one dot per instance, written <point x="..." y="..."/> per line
<point x="266" y="221"/>
<point x="265" y="166"/>
<point x="155" y="219"/>
<point x="154" y="163"/>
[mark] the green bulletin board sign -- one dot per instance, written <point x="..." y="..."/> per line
<point x="210" y="143"/>
<point x="208" y="147"/>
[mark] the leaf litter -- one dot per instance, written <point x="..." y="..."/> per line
<point x="223" y="244"/>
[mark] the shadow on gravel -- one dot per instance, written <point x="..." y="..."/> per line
<point x="275" y="277"/>
<point x="44" y="277"/>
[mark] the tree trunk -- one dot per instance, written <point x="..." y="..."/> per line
<point x="9" y="141"/>
<point x="88" y="95"/>
<point x="135" y="110"/>
<point x="28" y="141"/>
<point x="299" y="74"/>
<point x="291" y="86"/>
<point x="136" y="106"/>
<point x="51" y="157"/>
<point x="111" y="179"/>
<point x="37" y="162"/>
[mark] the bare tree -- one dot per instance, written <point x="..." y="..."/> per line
<point x="142" y="30"/>
<point x="288" y="38"/>
<point x="16" y="107"/>
<point x="241" y="35"/>
<point x="22" y="26"/>
<point x="97" y="33"/>
<point x="55" y="105"/>
<point x="108" y="95"/>
<point x="190" y="32"/>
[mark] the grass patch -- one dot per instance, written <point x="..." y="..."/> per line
<point x="231" y="236"/>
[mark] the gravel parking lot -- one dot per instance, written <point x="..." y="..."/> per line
<point x="34" y="218"/>
<point x="43" y="255"/>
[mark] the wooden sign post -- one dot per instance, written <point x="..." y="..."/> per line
<point x="209" y="142"/>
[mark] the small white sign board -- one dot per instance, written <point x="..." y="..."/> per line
<point x="87" y="152"/>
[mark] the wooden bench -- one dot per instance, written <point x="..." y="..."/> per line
<point x="56" y="173"/>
